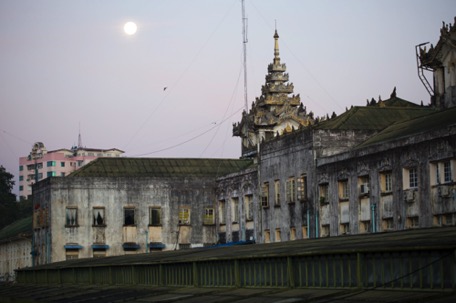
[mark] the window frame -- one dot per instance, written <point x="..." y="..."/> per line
<point x="184" y="215"/>
<point x="129" y="209"/>
<point x="68" y="220"/>
<point x="156" y="210"/>
<point x="94" y="219"/>
<point x="209" y="216"/>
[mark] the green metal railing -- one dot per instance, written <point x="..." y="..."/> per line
<point x="416" y="269"/>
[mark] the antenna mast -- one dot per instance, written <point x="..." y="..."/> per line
<point x="244" y="41"/>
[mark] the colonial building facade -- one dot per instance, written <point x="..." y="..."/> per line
<point x="383" y="167"/>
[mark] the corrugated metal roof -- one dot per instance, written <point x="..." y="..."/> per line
<point x="377" y="116"/>
<point x="17" y="228"/>
<point x="372" y="118"/>
<point x="160" y="167"/>
<point x="430" y="122"/>
<point x="429" y="238"/>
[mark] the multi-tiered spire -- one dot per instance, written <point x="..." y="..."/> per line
<point x="274" y="112"/>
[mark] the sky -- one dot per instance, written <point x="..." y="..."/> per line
<point x="68" y="68"/>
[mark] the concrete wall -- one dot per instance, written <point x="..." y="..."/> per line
<point x="14" y="254"/>
<point x="113" y="195"/>
<point x="430" y="203"/>
<point x="237" y="212"/>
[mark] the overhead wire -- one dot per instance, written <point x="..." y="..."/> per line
<point x="178" y="80"/>
<point x="193" y="138"/>
<point x="224" y="114"/>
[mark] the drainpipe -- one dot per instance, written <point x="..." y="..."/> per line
<point x="374" y="229"/>
<point x="147" y="239"/>
<point x="308" y="222"/>
<point x="316" y="224"/>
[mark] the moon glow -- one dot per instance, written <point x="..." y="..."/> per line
<point x="130" y="28"/>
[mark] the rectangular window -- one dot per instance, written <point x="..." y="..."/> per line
<point x="40" y="176"/>
<point x="62" y="164"/>
<point x="343" y="190"/>
<point x="323" y="193"/>
<point x="21" y="178"/>
<point x="129" y="216"/>
<point x="221" y="209"/>
<point x="50" y="163"/>
<point x="155" y="216"/>
<point x="292" y="233"/>
<point x="290" y="190"/>
<point x="278" y="235"/>
<point x="21" y="167"/>
<point x="51" y="174"/>
<point x="71" y="254"/>
<point x="99" y="216"/>
<point x="386" y="182"/>
<point x="447" y="178"/>
<point x="265" y="195"/>
<point x="412" y="222"/>
<point x="277" y="192"/>
<point x="413" y="177"/>
<point x="302" y="188"/>
<point x="62" y="174"/>
<point x="209" y="218"/>
<point x="248" y="206"/>
<point x="235" y="210"/>
<point x="71" y="217"/>
<point x="21" y="188"/>
<point x="184" y="216"/>
<point x="344" y="228"/>
<point x="364" y="186"/>
<point x="267" y="236"/>
<point x="325" y="230"/>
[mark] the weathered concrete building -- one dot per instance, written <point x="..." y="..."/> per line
<point x="116" y="206"/>
<point x="386" y="166"/>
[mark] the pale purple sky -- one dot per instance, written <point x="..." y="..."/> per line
<point x="68" y="65"/>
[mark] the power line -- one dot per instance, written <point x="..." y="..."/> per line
<point x="170" y="88"/>
<point x="191" y="139"/>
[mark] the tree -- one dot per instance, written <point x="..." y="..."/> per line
<point x="6" y="186"/>
<point x="9" y="209"/>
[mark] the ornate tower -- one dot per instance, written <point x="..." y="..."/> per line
<point x="274" y="112"/>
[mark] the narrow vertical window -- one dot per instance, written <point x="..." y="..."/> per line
<point x="447" y="172"/>
<point x="155" y="216"/>
<point x="343" y="190"/>
<point x="290" y="190"/>
<point x="98" y="216"/>
<point x="248" y="207"/>
<point x="323" y="193"/>
<point x="277" y="192"/>
<point x="209" y="216"/>
<point x="71" y="217"/>
<point x="235" y="210"/>
<point x="413" y="177"/>
<point x="184" y="216"/>
<point x="265" y="195"/>
<point x="129" y="216"/>
<point x="302" y="188"/>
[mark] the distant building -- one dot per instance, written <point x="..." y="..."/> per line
<point x="386" y="166"/>
<point x="41" y="163"/>
<point x="15" y="248"/>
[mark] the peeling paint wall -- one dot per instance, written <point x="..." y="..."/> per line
<point x="60" y="238"/>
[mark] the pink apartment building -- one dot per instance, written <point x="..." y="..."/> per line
<point x="41" y="163"/>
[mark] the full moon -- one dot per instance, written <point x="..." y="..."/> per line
<point x="130" y="28"/>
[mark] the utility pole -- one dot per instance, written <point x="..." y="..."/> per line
<point x="244" y="41"/>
